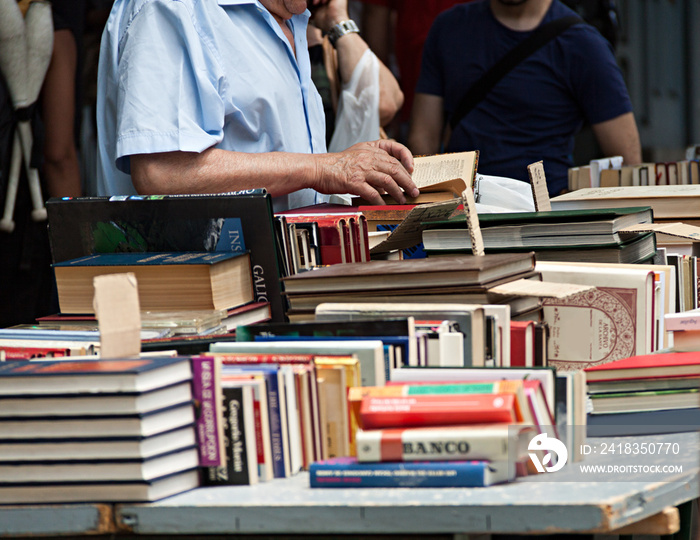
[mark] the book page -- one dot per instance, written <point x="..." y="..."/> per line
<point x="118" y="314"/>
<point x="429" y="170"/>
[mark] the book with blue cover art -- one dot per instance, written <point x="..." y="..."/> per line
<point x="348" y="472"/>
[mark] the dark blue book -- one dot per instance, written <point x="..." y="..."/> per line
<point x="348" y="472"/>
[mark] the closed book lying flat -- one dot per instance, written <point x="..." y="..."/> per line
<point x="643" y="423"/>
<point x="166" y="281"/>
<point x="32" y="449"/>
<point x="688" y="398"/>
<point x="674" y="364"/>
<point x="393" y="274"/>
<point x="490" y="442"/>
<point x="347" y="472"/>
<point x="95" y="404"/>
<point x="92" y="376"/>
<point x="102" y="492"/>
<point x="99" y="470"/>
<point x="86" y="427"/>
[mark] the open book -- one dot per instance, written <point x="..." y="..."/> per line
<point x="439" y="177"/>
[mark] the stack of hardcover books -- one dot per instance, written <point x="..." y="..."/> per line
<point x="653" y="393"/>
<point x="96" y="430"/>
<point x="434" y="435"/>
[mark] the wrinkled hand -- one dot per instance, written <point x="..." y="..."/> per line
<point x="368" y="169"/>
<point x="328" y="13"/>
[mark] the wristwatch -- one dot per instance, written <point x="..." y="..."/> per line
<point x="341" y="29"/>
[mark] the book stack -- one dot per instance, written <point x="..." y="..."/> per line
<point x="460" y="278"/>
<point x="96" y="430"/>
<point x="595" y="235"/>
<point x="433" y="435"/>
<point x="645" y="394"/>
<point x="600" y="173"/>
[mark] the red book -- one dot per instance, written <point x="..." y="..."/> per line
<point x="645" y="366"/>
<point x="436" y="410"/>
<point x="522" y="343"/>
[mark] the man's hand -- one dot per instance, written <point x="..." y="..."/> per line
<point x="328" y="13"/>
<point x="368" y="169"/>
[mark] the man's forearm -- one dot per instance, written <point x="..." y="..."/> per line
<point x="219" y="171"/>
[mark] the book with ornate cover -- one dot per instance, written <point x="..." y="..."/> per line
<point x="613" y="321"/>
<point x="87" y="225"/>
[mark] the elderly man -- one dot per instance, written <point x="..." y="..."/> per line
<point x="213" y="96"/>
<point x="534" y="111"/>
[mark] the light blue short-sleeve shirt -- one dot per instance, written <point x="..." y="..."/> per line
<point x="188" y="75"/>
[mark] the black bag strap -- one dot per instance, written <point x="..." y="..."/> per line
<point x="512" y="58"/>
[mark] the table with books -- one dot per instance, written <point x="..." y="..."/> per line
<point x="533" y="504"/>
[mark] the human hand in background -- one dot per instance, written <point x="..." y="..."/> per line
<point x="328" y="13"/>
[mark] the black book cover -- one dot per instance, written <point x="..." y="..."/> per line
<point x="235" y="472"/>
<point x="87" y="225"/>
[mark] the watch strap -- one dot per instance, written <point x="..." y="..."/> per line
<point x="341" y="29"/>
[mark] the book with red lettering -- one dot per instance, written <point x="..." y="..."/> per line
<point x="437" y="410"/>
<point x="491" y="442"/>
<point x="661" y="365"/>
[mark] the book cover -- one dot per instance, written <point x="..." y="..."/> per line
<point x="643" y="423"/>
<point x="438" y="410"/>
<point x="91" y="427"/>
<point x="348" y="472"/>
<point x="522" y="343"/>
<point x="395" y="274"/>
<point x="240" y="465"/>
<point x="91" y="376"/>
<point x="101" y="470"/>
<point x="616" y="320"/>
<point x="489" y="442"/>
<point x="99" y="492"/>
<point x="32" y="449"/>
<point x="88" y="225"/>
<point x="658" y="365"/>
<point x="208" y="399"/>
<point x="95" y="404"/>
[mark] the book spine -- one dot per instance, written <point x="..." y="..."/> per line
<point x="208" y="421"/>
<point x="683" y="321"/>
<point x="235" y="469"/>
<point x="376" y="413"/>
<point x="365" y="475"/>
<point x="447" y="444"/>
<point x="277" y="438"/>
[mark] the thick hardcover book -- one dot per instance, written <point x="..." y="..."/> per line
<point x="659" y="365"/>
<point x="240" y="466"/>
<point x="97" y="427"/>
<point x="649" y="400"/>
<point x="437" y="410"/>
<point x="88" y="225"/>
<point x="99" y="470"/>
<point x="667" y="202"/>
<point x="614" y="321"/>
<point x="93" y="404"/>
<point x="208" y="397"/>
<point x="92" y="376"/>
<point x="643" y="423"/>
<point x="33" y="449"/>
<point x="171" y="281"/>
<point x="347" y="472"/>
<point x="99" y="492"/>
<point x="419" y="273"/>
<point x="490" y="442"/>
<point x="522" y="344"/>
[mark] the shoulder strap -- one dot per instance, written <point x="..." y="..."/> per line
<point x="512" y="58"/>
